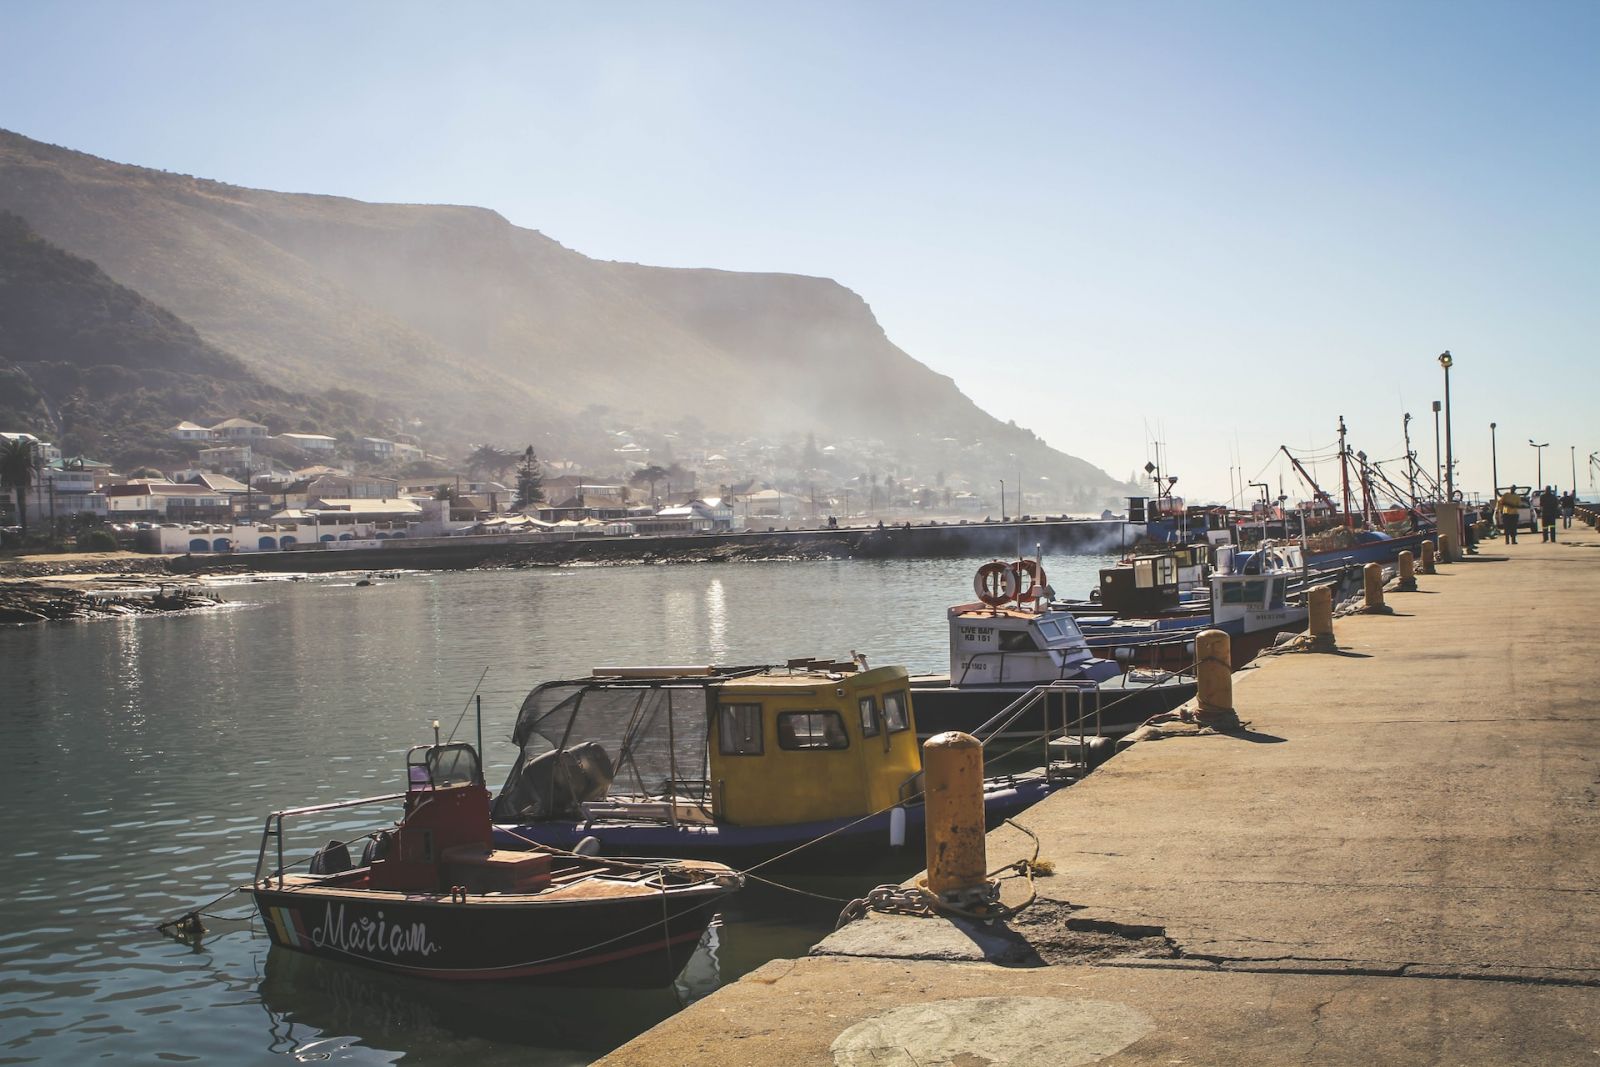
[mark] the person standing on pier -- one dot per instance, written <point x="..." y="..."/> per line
<point x="1569" y="504"/>
<point x="1510" y="506"/>
<point x="1549" y="512"/>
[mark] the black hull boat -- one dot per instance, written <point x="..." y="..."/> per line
<point x="436" y="898"/>
<point x="564" y="937"/>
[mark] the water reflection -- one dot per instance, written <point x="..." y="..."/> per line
<point x="716" y="621"/>
<point x="143" y="755"/>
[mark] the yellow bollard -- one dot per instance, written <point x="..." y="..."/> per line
<point x="1372" y="586"/>
<point x="1408" y="576"/>
<point x="1213" y="673"/>
<point x="1321" y="605"/>
<point x="1427" y="558"/>
<point x="952" y="765"/>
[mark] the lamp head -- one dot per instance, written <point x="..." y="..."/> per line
<point x="1445" y="360"/>
<point x="1436" y="407"/>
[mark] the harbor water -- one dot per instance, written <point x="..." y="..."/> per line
<point x="143" y="755"/>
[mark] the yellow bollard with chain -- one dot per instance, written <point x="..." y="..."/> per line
<point x="952" y="765"/>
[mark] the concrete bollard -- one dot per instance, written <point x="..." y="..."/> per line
<point x="952" y="765"/>
<point x="1427" y="558"/>
<point x="1321" y="618"/>
<point x="1408" y="576"/>
<point x="1213" y="673"/>
<point x="1444" y="548"/>
<point x="1372" y="587"/>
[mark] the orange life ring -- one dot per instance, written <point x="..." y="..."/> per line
<point x="1030" y="580"/>
<point x="995" y="583"/>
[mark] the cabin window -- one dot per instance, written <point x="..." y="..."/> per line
<point x="1143" y="573"/>
<point x="1017" y="641"/>
<point x="869" y="716"/>
<point x="894" y="712"/>
<point x="811" y="729"/>
<point x="739" y="729"/>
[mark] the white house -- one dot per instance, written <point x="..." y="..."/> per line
<point x="188" y="431"/>
<point x="772" y="504"/>
<point x="376" y="447"/>
<point x="310" y="442"/>
<point x="239" y="430"/>
<point x="231" y="459"/>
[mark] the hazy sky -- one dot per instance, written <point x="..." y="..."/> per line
<point x="1226" y="223"/>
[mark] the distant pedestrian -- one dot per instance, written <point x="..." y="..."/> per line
<point x="1549" y="511"/>
<point x="1510" y="510"/>
<point x="1569" y="504"/>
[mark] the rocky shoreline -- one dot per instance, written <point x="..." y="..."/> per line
<point x="29" y="602"/>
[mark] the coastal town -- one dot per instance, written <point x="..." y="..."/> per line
<point x="243" y="489"/>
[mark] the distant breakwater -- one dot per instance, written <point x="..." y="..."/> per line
<point x="889" y="542"/>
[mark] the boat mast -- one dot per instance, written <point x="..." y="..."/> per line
<point x="1411" y="463"/>
<point x="1344" y="474"/>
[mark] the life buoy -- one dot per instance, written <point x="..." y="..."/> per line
<point x="995" y="583"/>
<point x="1030" y="580"/>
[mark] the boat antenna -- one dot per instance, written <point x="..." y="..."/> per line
<point x="463" y="714"/>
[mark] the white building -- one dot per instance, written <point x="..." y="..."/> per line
<point x="239" y="430"/>
<point x="310" y="442"/>
<point x="229" y="459"/>
<point x="188" y="431"/>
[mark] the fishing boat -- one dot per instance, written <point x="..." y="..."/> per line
<point x="1252" y="609"/>
<point x="1010" y="646"/>
<point x="438" y="897"/>
<point x="740" y="764"/>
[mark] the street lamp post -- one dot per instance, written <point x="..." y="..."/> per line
<point x="1002" y="500"/>
<point x="1539" y="451"/>
<point x="1494" y="458"/>
<point x="1574" y="471"/>
<point x="1446" y="361"/>
<point x="1438" y="478"/>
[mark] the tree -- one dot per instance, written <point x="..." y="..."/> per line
<point x="487" y="459"/>
<point x="811" y="457"/>
<point x="17" y="473"/>
<point x="650" y="476"/>
<point x="530" y="480"/>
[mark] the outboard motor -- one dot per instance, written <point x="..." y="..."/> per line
<point x="555" y="785"/>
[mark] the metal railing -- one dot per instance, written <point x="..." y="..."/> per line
<point x="274" y="829"/>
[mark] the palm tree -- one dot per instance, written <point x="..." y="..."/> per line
<point x="17" y="473"/>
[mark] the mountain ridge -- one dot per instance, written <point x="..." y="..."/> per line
<point x="477" y="324"/>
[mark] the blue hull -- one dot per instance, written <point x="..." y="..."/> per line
<point x="744" y="846"/>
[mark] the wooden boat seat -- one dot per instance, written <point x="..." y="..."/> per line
<point x="494" y="870"/>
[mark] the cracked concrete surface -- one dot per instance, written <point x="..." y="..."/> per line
<point x="1401" y="864"/>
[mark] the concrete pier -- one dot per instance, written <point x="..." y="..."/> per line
<point x="1398" y="862"/>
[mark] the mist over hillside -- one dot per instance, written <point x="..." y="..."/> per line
<point x="475" y="329"/>
<point x="100" y="370"/>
